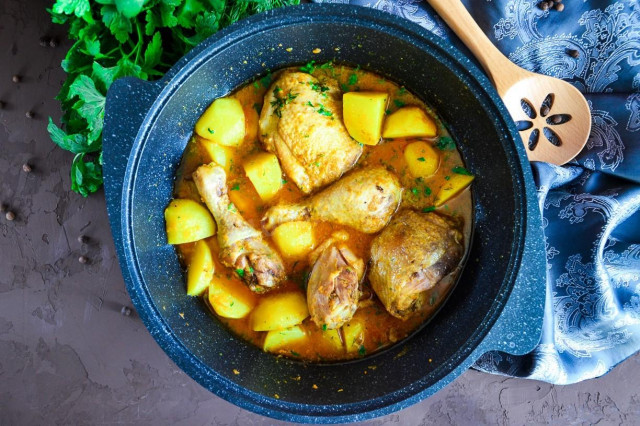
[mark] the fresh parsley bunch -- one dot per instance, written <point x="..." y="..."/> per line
<point x="117" y="38"/>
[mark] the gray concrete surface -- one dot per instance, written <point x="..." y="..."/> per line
<point x="67" y="355"/>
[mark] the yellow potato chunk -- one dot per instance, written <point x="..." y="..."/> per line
<point x="353" y="333"/>
<point x="200" y="269"/>
<point x="333" y="338"/>
<point x="243" y="197"/>
<point x="223" y="122"/>
<point x="363" y="113"/>
<point x="422" y="159"/>
<point x="219" y="154"/>
<point x="279" y="311"/>
<point x="409" y="122"/>
<point x="294" y="239"/>
<point x="229" y="297"/>
<point x="263" y="170"/>
<point x="187" y="221"/>
<point x="277" y="339"/>
<point x="452" y="187"/>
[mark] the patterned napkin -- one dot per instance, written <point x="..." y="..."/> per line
<point x="590" y="208"/>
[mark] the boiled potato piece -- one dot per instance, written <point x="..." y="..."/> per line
<point x="230" y="297"/>
<point x="219" y="154"/>
<point x="353" y="333"/>
<point x="200" y="269"/>
<point x="409" y="122"/>
<point x="188" y="221"/>
<point x="363" y="113"/>
<point x="276" y="339"/>
<point x="333" y="337"/>
<point x="279" y="311"/>
<point x="223" y="122"/>
<point x="422" y="159"/>
<point x="452" y="187"/>
<point x="263" y="170"/>
<point x="244" y="197"/>
<point x="294" y="239"/>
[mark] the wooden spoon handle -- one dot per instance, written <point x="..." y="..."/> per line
<point x="462" y="23"/>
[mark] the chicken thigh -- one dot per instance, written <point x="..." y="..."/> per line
<point x="301" y="122"/>
<point x="241" y="246"/>
<point x="410" y="256"/>
<point x="364" y="200"/>
<point x="333" y="289"/>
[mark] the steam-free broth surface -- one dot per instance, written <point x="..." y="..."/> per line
<point x="379" y="328"/>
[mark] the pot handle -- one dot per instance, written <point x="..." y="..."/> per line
<point x="518" y="328"/>
<point x="128" y="101"/>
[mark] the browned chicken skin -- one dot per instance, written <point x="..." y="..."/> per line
<point x="333" y="289"/>
<point x="301" y="122"/>
<point x="410" y="256"/>
<point x="364" y="200"/>
<point x="241" y="246"/>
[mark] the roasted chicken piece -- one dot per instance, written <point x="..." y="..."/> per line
<point x="241" y="246"/>
<point x="410" y="256"/>
<point x="364" y="200"/>
<point x="333" y="289"/>
<point x="301" y="122"/>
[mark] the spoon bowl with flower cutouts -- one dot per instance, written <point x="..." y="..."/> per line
<point x="552" y="116"/>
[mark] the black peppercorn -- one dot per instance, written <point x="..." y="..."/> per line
<point x="559" y="7"/>
<point x="29" y="114"/>
<point x="543" y="5"/>
<point x="44" y="41"/>
<point x="26" y="167"/>
<point x="83" y="259"/>
<point x="10" y="216"/>
<point x="83" y="239"/>
<point x="15" y="78"/>
<point x="573" y="53"/>
<point x="53" y="42"/>
<point x="556" y="119"/>
<point x="126" y="311"/>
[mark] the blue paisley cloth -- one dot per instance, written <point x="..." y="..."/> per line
<point x="590" y="207"/>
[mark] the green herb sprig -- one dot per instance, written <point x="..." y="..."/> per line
<point x="118" y="38"/>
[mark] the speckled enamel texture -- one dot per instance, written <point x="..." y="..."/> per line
<point x="497" y="304"/>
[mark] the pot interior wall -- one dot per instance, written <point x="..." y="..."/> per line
<point x="484" y="285"/>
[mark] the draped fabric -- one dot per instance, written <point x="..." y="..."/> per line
<point x="591" y="207"/>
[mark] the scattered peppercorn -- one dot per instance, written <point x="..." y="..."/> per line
<point x="53" y="42"/>
<point x="44" y="41"/>
<point x="15" y="78"/>
<point x="544" y="110"/>
<point x="559" y="7"/>
<point x="10" y="216"/>
<point x="26" y="167"/>
<point x="556" y="119"/>
<point x="29" y="114"/>
<point x="83" y="239"/>
<point x="573" y="53"/>
<point x="126" y="311"/>
<point x="543" y="5"/>
<point x="83" y="259"/>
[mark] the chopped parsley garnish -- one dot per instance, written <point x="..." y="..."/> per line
<point x="421" y="159"/>
<point x="387" y="111"/>
<point x="324" y="327"/>
<point x="428" y="209"/>
<point x="327" y="65"/>
<point x="319" y="87"/>
<point x="294" y="353"/>
<point x="309" y="67"/>
<point x="257" y="107"/>
<point x="240" y="272"/>
<point x="276" y="89"/>
<point x="323" y="111"/>
<point x="415" y="191"/>
<point x="310" y="104"/>
<point x="461" y="171"/>
<point x="353" y="79"/>
<point x="284" y="181"/>
<point x="250" y="269"/>
<point x="427" y="190"/>
<point x="280" y="102"/>
<point x="235" y="187"/>
<point x="210" y="131"/>
<point x="399" y="103"/>
<point x="362" y="351"/>
<point x="447" y="177"/>
<point x="402" y="91"/>
<point x="266" y="80"/>
<point x="445" y="143"/>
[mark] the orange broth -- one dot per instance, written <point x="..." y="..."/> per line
<point x="380" y="328"/>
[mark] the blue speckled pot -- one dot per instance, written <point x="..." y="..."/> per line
<point x="498" y="302"/>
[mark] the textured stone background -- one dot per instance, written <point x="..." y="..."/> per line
<point x="67" y="355"/>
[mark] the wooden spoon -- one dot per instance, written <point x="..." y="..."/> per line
<point x="553" y="117"/>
